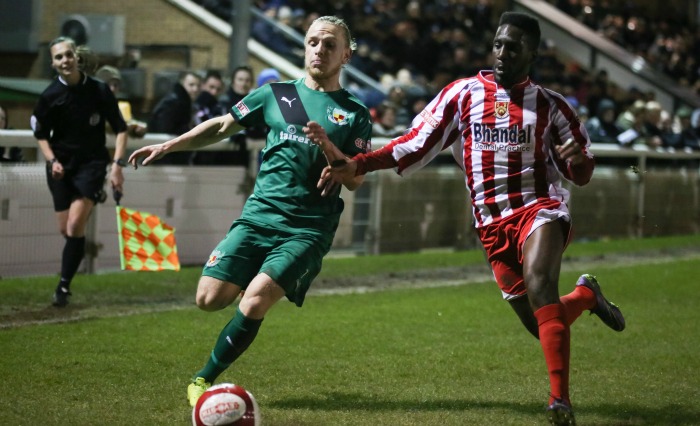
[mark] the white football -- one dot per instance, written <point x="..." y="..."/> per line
<point x="226" y="404"/>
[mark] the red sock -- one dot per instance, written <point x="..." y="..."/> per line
<point x="579" y="300"/>
<point x="555" y="340"/>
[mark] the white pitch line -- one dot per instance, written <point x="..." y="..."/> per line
<point x="567" y="265"/>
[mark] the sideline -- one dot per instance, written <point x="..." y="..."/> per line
<point x="417" y="280"/>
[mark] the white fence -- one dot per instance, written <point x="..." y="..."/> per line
<point x="387" y="214"/>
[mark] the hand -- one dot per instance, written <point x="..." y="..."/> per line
<point x="136" y="129"/>
<point x="150" y="152"/>
<point x="570" y="151"/>
<point x="116" y="178"/>
<point x="331" y="176"/>
<point x="318" y="136"/>
<point x="57" y="170"/>
<point x="326" y="183"/>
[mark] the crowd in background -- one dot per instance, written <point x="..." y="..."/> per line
<point x="414" y="48"/>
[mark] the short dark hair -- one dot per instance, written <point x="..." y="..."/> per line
<point x="213" y="74"/>
<point x="244" y="68"/>
<point x="184" y="73"/>
<point x="527" y="23"/>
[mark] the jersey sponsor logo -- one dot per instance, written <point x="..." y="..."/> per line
<point x="289" y="102"/>
<point x="94" y="119"/>
<point x="291" y="135"/>
<point x="214" y="258"/>
<point x="511" y="138"/>
<point x="428" y="118"/>
<point x="242" y="108"/>
<point x="338" y="116"/>
<point x="501" y="108"/>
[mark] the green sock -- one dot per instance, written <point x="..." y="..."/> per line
<point x="233" y="340"/>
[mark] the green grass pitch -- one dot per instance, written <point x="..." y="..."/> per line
<point x="123" y="352"/>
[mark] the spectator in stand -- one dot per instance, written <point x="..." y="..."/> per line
<point x="240" y="85"/>
<point x="88" y="61"/>
<point x="631" y="123"/>
<point x="174" y="113"/>
<point x="268" y="75"/>
<point x="273" y="37"/>
<point x="601" y="127"/>
<point x="652" y="125"/>
<point x="598" y="91"/>
<point x="220" y="8"/>
<point x="583" y="114"/>
<point x="8" y="154"/>
<point x="688" y="136"/>
<point x="385" y="125"/>
<point x="680" y="136"/>
<point x="113" y="78"/>
<point x="207" y="105"/>
<point x="695" y="119"/>
<point x="398" y="98"/>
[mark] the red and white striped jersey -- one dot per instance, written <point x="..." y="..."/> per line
<point x="503" y="140"/>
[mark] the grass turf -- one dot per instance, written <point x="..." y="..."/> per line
<point x="448" y="355"/>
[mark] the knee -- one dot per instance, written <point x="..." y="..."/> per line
<point x="209" y="302"/>
<point x="253" y="307"/>
<point x="74" y="229"/>
<point x="541" y="290"/>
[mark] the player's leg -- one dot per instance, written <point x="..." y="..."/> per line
<point x="588" y="295"/>
<point x="580" y="299"/>
<point x="521" y="306"/>
<point x="501" y="244"/>
<point x="542" y="253"/>
<point x="236" y="259"/>
<point x="82" y="188"/>
<point x="236" y="336"/>
<point x="261" y="294"/>
<point x="72" y="223"/>
<point x="61" y="195"/>
<point x="214" y="294"/>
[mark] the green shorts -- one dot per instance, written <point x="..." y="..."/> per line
<point x="292" y="260"/>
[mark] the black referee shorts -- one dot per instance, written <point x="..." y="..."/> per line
<point x="82" y="180"/>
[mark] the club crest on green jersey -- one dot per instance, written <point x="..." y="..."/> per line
<point x="338" y="116"/>
<point x="214" y="258"/>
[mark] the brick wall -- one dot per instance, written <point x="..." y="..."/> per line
<point x="166" y="36"/>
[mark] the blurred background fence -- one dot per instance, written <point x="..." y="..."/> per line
<point x="641" y="193"/>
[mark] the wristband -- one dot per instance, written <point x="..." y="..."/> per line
<point x="119" y="162"/>
<point x="49" y="163"/>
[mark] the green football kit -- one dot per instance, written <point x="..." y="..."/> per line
<point x="286" y="226"/>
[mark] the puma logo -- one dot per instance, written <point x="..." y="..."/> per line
<point x="284" y="98"/>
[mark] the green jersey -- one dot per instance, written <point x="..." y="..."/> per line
<point x="285" y="195"/>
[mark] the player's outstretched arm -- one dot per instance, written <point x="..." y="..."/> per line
<point x="206" y="133"/>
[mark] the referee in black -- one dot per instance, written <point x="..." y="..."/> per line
<point x="69" y="123"/>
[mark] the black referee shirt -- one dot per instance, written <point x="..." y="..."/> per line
<point x="72" y="119"/>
